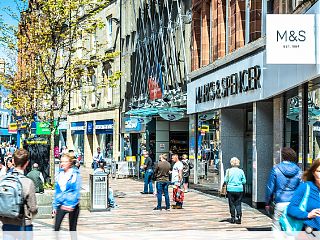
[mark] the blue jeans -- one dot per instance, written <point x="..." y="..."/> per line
<point x="14" y="232"/>
<point x="148" y="181"/>
<point x="162" y="187"/>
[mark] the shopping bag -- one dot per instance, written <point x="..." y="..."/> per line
<point x="290" y="224"/>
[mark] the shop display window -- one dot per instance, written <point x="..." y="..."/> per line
<point x="314" y="124"/>
<point x="293" y="110"/>
<point x="105" y="142"/>
<point x="208" y="149"/>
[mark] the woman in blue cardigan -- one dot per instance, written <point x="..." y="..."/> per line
<point x="235" y="179"/>
<point x="67" y="193"/>
<point x="311" y="216"/>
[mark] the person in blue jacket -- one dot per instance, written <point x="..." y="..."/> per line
<point x="67" y="193"/>
<point x="311" y="215"/>
<point x="284" y="179"/>
<point x="235" y="179"/>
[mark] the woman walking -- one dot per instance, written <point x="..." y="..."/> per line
<point x="235" y="179"/>
<point x="67" y="193"/>
<point x="310" y="214"/>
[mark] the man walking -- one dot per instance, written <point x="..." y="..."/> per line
<point x="20" y="159"/>
<point x="162" y="172"/>
<point x="284" y="179"/>
<point x="148" y="167"/>
<point x="36" y="176"/>
<point x="176" y="180"/>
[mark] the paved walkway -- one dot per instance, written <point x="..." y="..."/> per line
<point x="135" y="213"/>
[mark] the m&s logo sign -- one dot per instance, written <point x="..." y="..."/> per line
<point x="290" y="38"/>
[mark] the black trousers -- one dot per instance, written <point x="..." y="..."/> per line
<point x="235" y="199"/>
<point x="73" y="218"/>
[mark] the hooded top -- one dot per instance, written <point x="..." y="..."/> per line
<point x="294" y="209"/>
<point x="284" y="179"/>
<point x="67" y="188"/>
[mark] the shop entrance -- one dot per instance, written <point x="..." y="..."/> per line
<point x="208" y="149"/>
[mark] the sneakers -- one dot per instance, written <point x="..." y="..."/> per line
<point x="233" y="220"/>
<point x="144" y="193"/>
<point x="156" y="208"/>
<point x="238" y="220"/>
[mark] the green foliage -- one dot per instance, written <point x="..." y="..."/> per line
<point x="46" y="44"/>
<point x="48" y="186"/>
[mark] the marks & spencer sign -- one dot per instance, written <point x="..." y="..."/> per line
<point x="291" y="39"/>
<point x="237" y="83"/>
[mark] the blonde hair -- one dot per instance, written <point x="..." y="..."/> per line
<point x="235" y="162"/>
<point x="69" y="156"/>
<point x="164" y="156"/>
<point x="184" y="156"/>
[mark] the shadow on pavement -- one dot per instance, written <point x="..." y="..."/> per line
<point x="253" y="229"/>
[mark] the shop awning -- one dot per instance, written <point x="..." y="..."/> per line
<point x="313" y="114"/>
<point x="170" y="113"/>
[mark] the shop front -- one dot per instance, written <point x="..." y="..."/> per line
<point x="88" y="131"/>
<point x="78" y="132"/>
<point x="252" y="106"/>
<point x="104" y="133"/>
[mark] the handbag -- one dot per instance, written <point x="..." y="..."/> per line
<point x="223" y="190"/>
<point x="290" y="224"/>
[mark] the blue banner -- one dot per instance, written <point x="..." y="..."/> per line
<point x="77" y="128"/>
<point x="90" y="127"/>
<point x="104" y="126"/>
<point x="132" y="125"/>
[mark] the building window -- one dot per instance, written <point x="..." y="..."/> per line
<point x="109" y="31"/>
<point x="93" y="42"/>
<point x="109" y="90"/>
<point x="110" y="27"/>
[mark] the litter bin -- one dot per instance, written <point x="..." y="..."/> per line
<point x="99" y="190"/>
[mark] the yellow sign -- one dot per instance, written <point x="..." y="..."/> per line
<point x="130" y="158"/>
<point x="204" y="128"/>
<point x="12" y="128"/>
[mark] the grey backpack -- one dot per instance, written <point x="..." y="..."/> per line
<point x="11" y="196"/>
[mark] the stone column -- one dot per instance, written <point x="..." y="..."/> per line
<point x="278" y="125"/>
<point x="262" y="150"/>
<point x="232" y="137"/>
<point x="162" y="138"/>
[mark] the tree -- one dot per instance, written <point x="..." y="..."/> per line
<point x="48" y="67"/>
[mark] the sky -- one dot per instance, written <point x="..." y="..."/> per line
<point x="8" y="19"/>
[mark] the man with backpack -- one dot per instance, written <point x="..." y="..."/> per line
<point x="18" y="217"/>
<point x="148" y="167"/>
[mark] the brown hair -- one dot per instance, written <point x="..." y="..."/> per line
<point x="288" y="154"/>
<point x="20" y="157"/>
<point x="308" y="174"/>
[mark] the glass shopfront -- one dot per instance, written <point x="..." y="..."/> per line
<point x="293" y="110"/>
<point x="208" y="149"/>
<point x="77" y="131"/>
<point x="104" y="132"/>
<point x="302" y="122"/>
